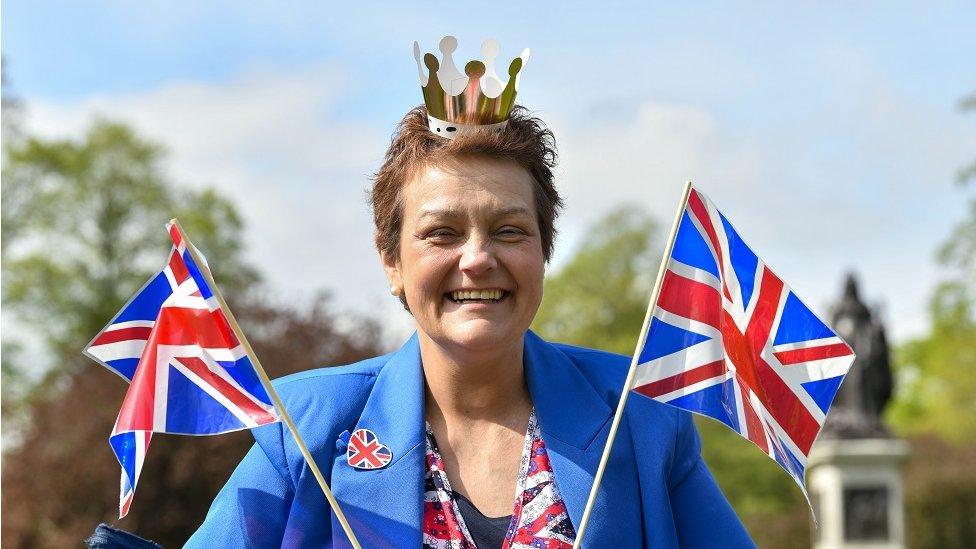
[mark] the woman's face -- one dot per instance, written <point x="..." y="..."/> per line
<point x="471" y="262"/>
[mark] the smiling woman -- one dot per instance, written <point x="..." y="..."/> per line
<point x="476" y="433"/>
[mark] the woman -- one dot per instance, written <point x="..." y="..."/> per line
<point x="486" y="435"/>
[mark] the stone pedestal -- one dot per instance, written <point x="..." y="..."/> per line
<point x="856" y="490"/>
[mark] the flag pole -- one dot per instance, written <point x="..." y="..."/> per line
<point x="266" y="382"/>
<point x="632" y="373"/>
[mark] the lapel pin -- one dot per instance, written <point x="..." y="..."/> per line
<point x="366" y="452"/>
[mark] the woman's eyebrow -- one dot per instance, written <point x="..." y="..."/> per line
<point x="439" y="213"/>
<point x="513" y="211"/>
<point x="450" y="213"/>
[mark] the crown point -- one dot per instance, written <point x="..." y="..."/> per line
<point x="524" y="56"/>
<point x="449" y="76"/>
<point x="490" y="48"/>
<point x="474" y="69"/>
<point x="448" y="44"/>
<point x="515" y="67"/>
<point x="430" y="60"/>
<point x="420" y="68"/>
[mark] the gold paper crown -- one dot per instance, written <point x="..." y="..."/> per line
<point x="475" y="100"/>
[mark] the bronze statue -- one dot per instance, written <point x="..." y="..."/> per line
<point x="857" y="408"/>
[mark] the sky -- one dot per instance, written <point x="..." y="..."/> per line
<point x="828" y="134"/>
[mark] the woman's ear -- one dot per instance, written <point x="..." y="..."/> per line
<point x="393" y="275"/>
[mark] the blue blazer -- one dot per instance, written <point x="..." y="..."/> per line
<point x="656" y="490"/>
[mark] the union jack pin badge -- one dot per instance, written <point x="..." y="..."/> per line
<point x="366" y="452"/>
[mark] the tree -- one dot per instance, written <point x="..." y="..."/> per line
<point x="934" y="403"/>
<point x="598" y="299"/>
<point x="938" y="371"/>
<point x="83" y="229"/>
<point x="82" y="226"/>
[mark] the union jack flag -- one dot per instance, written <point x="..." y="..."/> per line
<point x="366" y="452"/>
<point x="729" y="340"/>
<point x="187" y="372"/>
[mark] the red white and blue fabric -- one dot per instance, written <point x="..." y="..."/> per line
<point x="539" y="519"/>
<point x="366" y="452"/>
<point x="187" y="372"/>
<point x="729" y="340"/>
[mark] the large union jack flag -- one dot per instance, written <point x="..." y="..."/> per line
<point x="187" y="372"/>
<point x="729" y="340"/>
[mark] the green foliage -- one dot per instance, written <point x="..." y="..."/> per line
<point x="940" y="494"/>
<point x="754" y="484"/>
<point x="937" y="372"/>
<point x="935" y="403"/>
<point x="83" y="229"/>
<point x="599" y="298"/>
<point x="937" y="375"/>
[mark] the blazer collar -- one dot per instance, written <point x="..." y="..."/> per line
<point x="394" y="410"/>
<point x="567" y="405"/>
<point x="385" y="506"/>
<point x="575" y="422"/>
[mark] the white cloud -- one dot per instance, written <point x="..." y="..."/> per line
<point x="867" y="191"/>
<point x="274" y="143"/>
<point x="879" y="205"/>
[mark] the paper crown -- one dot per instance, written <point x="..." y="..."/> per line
<point x="474" y="101"/>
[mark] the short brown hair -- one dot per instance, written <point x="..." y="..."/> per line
<point x="525" y="141"/>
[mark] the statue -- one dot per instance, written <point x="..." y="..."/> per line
<point x="857" y="408"/>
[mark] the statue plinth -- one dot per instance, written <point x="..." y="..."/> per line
<point x="856" y="490"/>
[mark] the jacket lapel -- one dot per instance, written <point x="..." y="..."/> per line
<point x="575" y="421"/>
<point x="385" y="506"/>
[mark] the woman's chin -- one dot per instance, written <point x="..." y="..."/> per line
<point x="480" y="335"/>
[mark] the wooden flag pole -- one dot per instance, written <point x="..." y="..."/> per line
<point x="266" y="382"/>
<point x="632" y="373"/>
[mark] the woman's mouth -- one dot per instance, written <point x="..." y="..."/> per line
<point x="477" y="296"/>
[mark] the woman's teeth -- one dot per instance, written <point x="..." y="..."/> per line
<point x="468" y="295"/>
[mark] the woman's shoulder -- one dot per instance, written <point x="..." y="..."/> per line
<point x="324" y="400"/>
<point x="607" y="373"/>
<point x="603" y="369"/>
<point x="356" y="372"/>
<point x="324" y="386"/>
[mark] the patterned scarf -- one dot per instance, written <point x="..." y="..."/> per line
<point x="539" y="519"/>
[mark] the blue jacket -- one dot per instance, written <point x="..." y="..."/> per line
<point x="656" y="490"/>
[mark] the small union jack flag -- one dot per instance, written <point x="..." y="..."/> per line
<point x="187" y="372"/>
<point x="729" y="340"/>
<point x="366" y="452"/>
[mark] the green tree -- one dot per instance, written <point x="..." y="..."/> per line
<point x="937" y="372"/>
<point x="83" y="229"/>
<point x="934" y="403"/>
<point x="82" y="224"/>
<point x="598" y="299"/>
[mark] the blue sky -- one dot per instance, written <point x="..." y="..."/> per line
<point x="828" y="134"/>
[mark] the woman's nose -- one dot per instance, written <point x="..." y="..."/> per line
<point x="477" y="257"/>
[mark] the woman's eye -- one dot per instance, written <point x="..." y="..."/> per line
<point x="510" y="233"/>
<point x="441" y="234"/>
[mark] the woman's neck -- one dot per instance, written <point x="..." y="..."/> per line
<point x="466" y="387"/>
